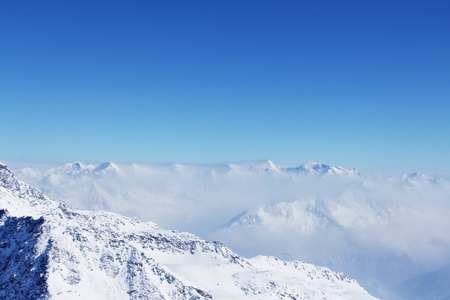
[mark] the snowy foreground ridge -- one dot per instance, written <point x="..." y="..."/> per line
<point x="51" y="251"/>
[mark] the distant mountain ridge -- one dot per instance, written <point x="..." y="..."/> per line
<point x="310" y="167"/>
<point x="114" y="187"/>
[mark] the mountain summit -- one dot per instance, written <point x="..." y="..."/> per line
<point x="316" y="168"/>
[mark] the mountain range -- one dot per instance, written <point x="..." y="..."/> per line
<point x="388" y="232"/>
<point x="49" y="250"/>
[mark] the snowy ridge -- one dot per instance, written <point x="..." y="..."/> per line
<point x="63" y="253"/>
<point x="315" y="168"/>
<point x="304" y="217"/>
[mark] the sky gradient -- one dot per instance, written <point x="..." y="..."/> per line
<point x="362" y="84"/>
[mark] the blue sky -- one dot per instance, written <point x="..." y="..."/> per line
<point x="362" y="84"/>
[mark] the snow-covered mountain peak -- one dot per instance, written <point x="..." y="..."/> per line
<point x="316" y="168"/>
<point x="106" y="167"/>
<point x="311" y="164"/>
<point x="75" y="167"/>
<point x="418" y="178"/>
<point x="304" y="217"/>
<point x="4" y="169"/>
<point x="265" y="166"/>
<point x="272" y="167"/>
<point x="256" y="166"/>
<point x="7" y="178"/>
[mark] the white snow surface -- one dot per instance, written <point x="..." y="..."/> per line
<point x="103" y="255"/>
<point x="385" y="231"/>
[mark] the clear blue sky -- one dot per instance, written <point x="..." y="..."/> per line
<point x="362" y="84"/>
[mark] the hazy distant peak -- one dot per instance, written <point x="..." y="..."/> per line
<point x="256" y="166"/>
<point x="313" y="167"/>
<point x="73" y="168"/>
<point x="287" y="216"/>
<point x="265" y="165"/>
<point x="177" y="167"/>
<point x="311" y="164"/>
<point x="415" y="175"/>
<point x="106" y="166"/>
<point x="418" y="178"/>
<point x="272" y="167"/>
<point x="77" y="166"/>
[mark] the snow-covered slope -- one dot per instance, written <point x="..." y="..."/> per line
<point x="49" y="250"/>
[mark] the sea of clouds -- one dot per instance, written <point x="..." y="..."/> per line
<point x="388" y="232"/>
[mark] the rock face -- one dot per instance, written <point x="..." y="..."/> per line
<point x="51" y="251"/>
<point x="23" y="269"/>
